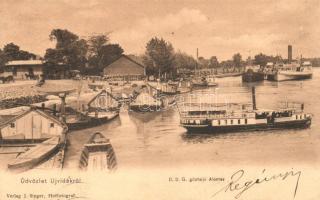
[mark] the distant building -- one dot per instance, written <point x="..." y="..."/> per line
<point x="125" y="68"/>
<point x="24" y="69"/>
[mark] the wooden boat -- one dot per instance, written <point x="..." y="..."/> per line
<point x="76" y="120"/>
<point x="103" y="107"/>
<point x="184" y="87"/>
<point x="102" y="116"/>
<point x="211" y="81"/>
<point x="145" y="102"/>
<point x="35" y="155"/>
<point x="228" y="75"/>
<point x="146" y="107"/>
<point x="169" y="88"/>
<point x="236" y="117"/>
<point x="199" y="82"/>
<point x="98" y="154"/>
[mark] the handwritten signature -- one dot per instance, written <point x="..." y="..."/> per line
<point x="235" y="183"/>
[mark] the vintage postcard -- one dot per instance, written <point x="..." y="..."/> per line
<point x="159" y="99"/>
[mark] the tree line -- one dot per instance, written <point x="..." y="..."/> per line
<point x="12" y="52"/>
<point x="91" y="55"/>
<point x="161" y="58"/>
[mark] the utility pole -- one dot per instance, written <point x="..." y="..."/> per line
<point x="196" y="67"/>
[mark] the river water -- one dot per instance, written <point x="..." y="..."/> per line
<point x="159" y="141"/>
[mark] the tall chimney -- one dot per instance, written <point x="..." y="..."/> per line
<point x="254" y="104"/>
<point x="197" y="59"/>
<point x="289" y="54"/>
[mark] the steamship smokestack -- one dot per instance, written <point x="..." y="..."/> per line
<point x="254" y="105"/>
<point x="289" y="54"/>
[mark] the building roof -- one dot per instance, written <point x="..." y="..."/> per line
<point x="103" y="92"/>
<point x="24" y="62"/>
<point x="42" y="113"/>
<point x="130" y="58"/>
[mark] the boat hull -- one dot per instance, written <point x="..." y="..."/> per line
<point x="91" y="122"/>
<point x="286" y="77"/>
<point x="297" y="124"/>
<point x="212" y="84"/>
<point x="228" y="75"/>
<point x="183" y="90"/>
<point x="145" y="108"/>
<point x="199" y="86"/>
<point x="289" y="76"/>
<point x="98" y="156"/>
<point x="29" y="159"/>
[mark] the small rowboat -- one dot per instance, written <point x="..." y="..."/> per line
<point x="98" y="154"/>
<point x="35" y="155"/>
<point x="103" y="116"/>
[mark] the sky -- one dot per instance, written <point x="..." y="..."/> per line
<point x="216" y="27"/>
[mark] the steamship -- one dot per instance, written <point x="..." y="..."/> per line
<point x="293" y="72"/>
<point x="232" y="117"/>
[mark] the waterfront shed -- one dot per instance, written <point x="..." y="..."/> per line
<point x="31" y="124"/>
<point x="125" y="68"/>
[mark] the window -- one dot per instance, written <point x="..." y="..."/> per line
<point x="51" y="125"/>
<point x="219" y="122"/>
<point x="12" y="125"/>
<point x="246" y="121"/>
<point x="239" y="121"/>
<point x="232" y="121"/>
<point x="226" y="121"/>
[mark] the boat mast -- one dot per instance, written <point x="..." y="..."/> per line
<point x="196" y="67"/>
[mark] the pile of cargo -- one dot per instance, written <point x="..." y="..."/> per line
<point x="16" y="91"/>
<point x="24" y="100"/>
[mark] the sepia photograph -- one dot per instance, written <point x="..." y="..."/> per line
<point x="159" y="99"/>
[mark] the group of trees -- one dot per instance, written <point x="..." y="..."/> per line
<point x="91" y="55"/>
<point x="88" y="56"/>
<point x="160" y="58"/>
<point x="262" y="59"/>
<point x="101" y="53"/>
<point x="11" y="52"/>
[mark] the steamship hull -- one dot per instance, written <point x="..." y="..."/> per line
<point x="287" y="76"/>
<point x="208" y="128"/>
<point x="292" y="76"/>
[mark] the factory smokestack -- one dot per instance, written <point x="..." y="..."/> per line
<point x="254" y="103"/>
<point x="289" y="54"/>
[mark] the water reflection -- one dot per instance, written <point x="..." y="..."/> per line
<point x="158" y="139"/>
